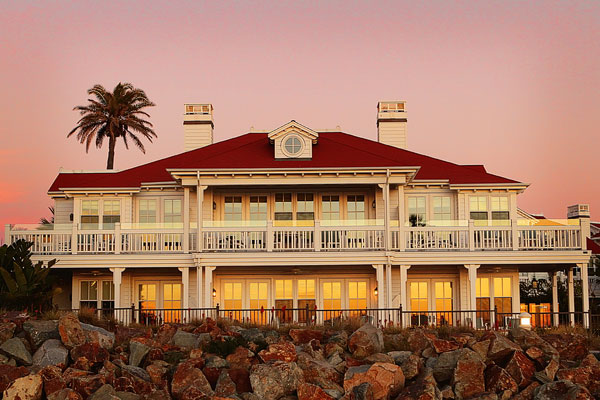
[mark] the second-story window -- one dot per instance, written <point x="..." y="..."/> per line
<point x="356" y="207"/>
<point x="233" y="208"/>
<point x="500" y="210"/>
<point x="442" y="212"/>
<point x="111" y="213"/>
<point x="305" y="207"/>
<point x="258" y="208"/>
<point x="283" y="207"/>
<point x="330" y="208"/>
<point x="417" y="212"/>
<point x="89" y="214"/>
<point x="147" y="212"/>
<point x="172" y="211"/>
<point x="478" y="209"/>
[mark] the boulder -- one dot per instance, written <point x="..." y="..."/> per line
<point x="128" y="396"/>
<point x="25" y="388"/>
<point x="283" y="351"/>
<point x="570" y="346"/>
<point x="85" y="385"/>
<point x="468" y="375"/>
<point x="379" y="357"/>
<point x="65" y="394"/>
<point x="423" y="388"/>
<point x="135" y="372"/>
<point x="273" y="381"/>
<point x="9" y="373"/>
<point x="53" y="379"/>
<point x="185" y="340"/>
<point x="365" y="341"/>
<point x="520" y="368"/>
<point x="412" y="366"/>
<point x="320" y="372"/>
<point x="165" y="333"/>
<point x="51" y="352"/>
<point x="189" y="376"/>
<point x="106" y="392"/>
<point x="92" y="351"/>
<point x="137" y="352"/>
<point x="400" y="356"/>
<point x="528" y="392"/>
<point x="225" y="385"/>
<point x="364" y="391"/>
<point x="70" y="331"/>
<point x="387" y="380"/>
<point x="241" y="378"/>
<point x="302" y="336"/>
<point x="40" y="331"/>
<point x="500" y="346"/>
<point x="159" y="373"/>
<point x="481" y="348"/>
<point x="95" y="334"/>
<point x="7" y="331"/>
<point x="419" y="340"/>
<point x="308" y="391"/>
<point x="241" y="358"/>
<point x="498" y="380"/>
<point x="562" y="390"/>
<point x="442" y="346"/>
<point x="445" y="365"/>
<point x="15" y="348"/>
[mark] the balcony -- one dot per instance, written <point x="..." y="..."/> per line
<point x="300" y="236"/>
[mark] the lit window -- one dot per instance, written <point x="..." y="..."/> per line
<point x="305" y="207"/>
<point x="284" y="299"/>
<point x="357" y="295"/>
<point x="293" y="145"/>
<point x="89" y="294"/>
<point x="478" y="209"/>
<point x="89" y="214"/>
<point x="306" y="299"/>
<point x="418" y="296"/>
<point x="500" y="210"/>
<point x="417" y="212"/>
<point x="332" y="297"/>
<point x="283" y="206"/>
<point x="232" y="295"/>
<point x="111" y="213"/>
<point x="503" y="296"/>
<point x="443" y="302"/>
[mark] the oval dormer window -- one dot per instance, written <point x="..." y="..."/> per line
<point x="292" y="146"/>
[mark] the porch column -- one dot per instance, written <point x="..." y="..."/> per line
<point x="199" y="291"/>
<point x="555" y="308"/>
<point x="385" y="188"/>
<point x="117" y="275"/>
<point x="388" y="286"/>
<point x="199" y="200"/>
<point x="472" y="269"/>
<point x="403" y="289"/>
<point x="380" y="286"/>
<point x="585" y="294"/>
<point x="186" y="219"/>
<point x="185" y="280"/>
<point x="571" y="291"/>
<point x="208" y="287"/>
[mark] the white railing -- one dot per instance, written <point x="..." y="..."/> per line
<point x="269" y="238"/>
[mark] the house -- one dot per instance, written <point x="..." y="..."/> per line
<point x="305" y="222"/>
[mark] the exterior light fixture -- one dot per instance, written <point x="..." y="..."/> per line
<point x="534" y="283"/>
<point x="214" y="205"/>
<point x="214" y="292"/>
<point x="373" y="204"/>
<point x="376" y="292"/>
<point x="525" y="320"/>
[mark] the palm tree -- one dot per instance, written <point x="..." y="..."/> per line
<point x="114" y="115"/>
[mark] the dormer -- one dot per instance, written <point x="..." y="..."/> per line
<point x="293" y="141"/>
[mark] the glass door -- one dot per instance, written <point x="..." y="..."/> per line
<point x="259" y="302"/>
<point x="147" y="297"/>
<point x="418" y="292"/>
<point x="232" y="300"/>
<point x="443" y="302"/>
<point x="357" y="297"/>
<point x="306" y="300"/>
<point x="332" y="299"/>
<point x="172" y="302"/>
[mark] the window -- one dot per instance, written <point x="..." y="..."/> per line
<point x="417" y="213"/>
<point x="305" y="207"/>
<point x="500" y="210"/>
<point x="259" y="301"/>
<point x="89" y="294"/>
<point x="482" y="301"/>
<point x="172" y="302"/>
<point x="108" y="295"/>
<point x="89" y="214"/>
<point x="356" y="207"/>
<point x="233" y="208"/>
<point x="147" y="296"/>
<point x="306" y="299"/>
<point x="293" y="145"/>
<point x="330" y="208"/>
<point x="357" y="295"/>
<point x="478" y="210"/>
<point x="258" y="208"/>
<point x="442" y="212"/>
<point x="283" y="207"/>
<point x="503" y="297"/>
<point x="443" y="302"/>
<point x="284" y="298"/>
<point x="111" y="213"/>
<point x="332" y="297"/>
<point x="147" y="213"/>
<point x="418" y="296"/>
<point x="232" y="295"/>
<point x="172" y="211"/>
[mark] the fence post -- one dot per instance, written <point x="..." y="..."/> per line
<point x="132" y="312"/>
<point x="495" y="322"/>
<point x="400" y="319"/>
<point x="217" y="312"/>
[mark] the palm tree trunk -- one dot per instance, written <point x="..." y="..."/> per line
<point x="111" y="153"/>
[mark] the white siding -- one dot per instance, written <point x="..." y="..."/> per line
<point x="63" y="208"/>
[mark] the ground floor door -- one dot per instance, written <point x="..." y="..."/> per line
<point x="431" y="301"/>
<point x="160" y="300"/>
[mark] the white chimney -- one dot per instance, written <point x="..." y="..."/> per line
<point x="578" y="211"/>
<point x="391" y="123"/>
<point x="197" y="126"/>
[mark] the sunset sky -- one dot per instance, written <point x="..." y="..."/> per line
<point x="512" y="85"/>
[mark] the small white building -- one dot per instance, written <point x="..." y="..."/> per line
<point x="301" y="219"/>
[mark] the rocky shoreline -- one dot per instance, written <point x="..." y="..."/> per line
<point x="70" y="360"/>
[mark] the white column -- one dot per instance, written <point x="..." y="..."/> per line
<point x="380" y="286"/>
<point x="185" y="280"/>
<point x="199" y="290"/>
<point x="186" y="219"/>
<point x="388" y="285"/>
<point x="571" y="291"/>
<point x="585" y="294"/>
<point x="401" y="219"/>
<point x="208" y="286"/>
<point x="472" y="269"/>
<point x="117" y="278"/>
<point x="199" y="200"/>
<point x="555" y="308"/>
<point x="403" y="290"/>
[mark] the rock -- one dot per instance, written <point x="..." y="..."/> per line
<point x="40" y="331"/>
<point x="272" y="381"/>
<point x="379" y="357"/>
<point x="366" y="340"/>
<point x="216" y="362"/>
<point x="447" y="392"/>
<point x="533" y="344"/>
<point x="364" y="391"/>
<point x="136" y="372"/>
<point x="521" y="369"/>
<point x="85" y="385"/>
<point x="15" y="348"/>
<point x="95" y="334"/>
<point x="106" y="392"/>
<point x="225" y="385"/>
<point x="468" y="376"/>
<point x="481" y="348"/>
<point x="165" y="333"/>
<point x="412" y="366"/>
<point x="551" y="369"/>
<point x="528" y="392"/>
<point x="185" y="340"/>
<point x="400" y="356"/>
<point x="137" y="352"/>
<point x="127" y="396"/>
<point x="7" y="331"/>
<point x="70" y="331"/>
<point x="442" y="346"/>
<point x="498" y="380"/>
<point x="419" y="340"/>
<point x="570" y="346"/>
<point x="308" y="391"/>
<point x="9" y="373"/>
<point x="240" y="358"/>
<point x="188" y="376"/>
<point x="92" y="351"/>
<point x="53" y="379"/>
<point x="338" y="337"/>
<point x="445" y="365"/>
<point x="284" y="351"/>
<point x="65" y="394"/>
<point x="241" y="378"/>
<point x="320" y="372"/>
<point x="500" y="346"/>
<point x="424" y="388"/>
<point x="302" y="336"/>
<point x="25" y="388"/>
<point x="51" y="352"/>
<point x="387" y="380"/>
<point x="158" y="372"/>
<point x="561" y="390"/>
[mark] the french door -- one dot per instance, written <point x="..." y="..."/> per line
<point x="431" y="301"/>
<point x="160" y="301"/>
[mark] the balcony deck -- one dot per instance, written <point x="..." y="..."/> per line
<point x="465" y="236"/>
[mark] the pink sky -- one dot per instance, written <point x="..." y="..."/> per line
<point x="512" y="85"/>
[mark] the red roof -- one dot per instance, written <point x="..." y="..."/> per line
<point x="253" y="151"/>
<point x="593" y="246"/>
